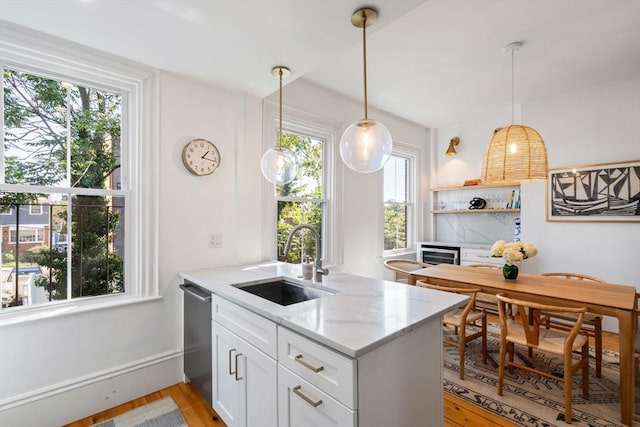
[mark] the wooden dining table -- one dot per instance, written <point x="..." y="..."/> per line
<point x="613" y="300"/>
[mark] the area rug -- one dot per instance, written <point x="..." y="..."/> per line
<point x="529" y="399"/>
<point x="159" y="413"/>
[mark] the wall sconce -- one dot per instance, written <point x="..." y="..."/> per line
<point x="451" y="151"/>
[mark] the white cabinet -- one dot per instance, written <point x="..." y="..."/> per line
<point x="316" y="385"/>
<point x="244" y="377"/>
<point x="302" y="404"/>
<point x="290" y="380"/>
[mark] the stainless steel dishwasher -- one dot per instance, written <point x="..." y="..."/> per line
<point x="197" y="338"/>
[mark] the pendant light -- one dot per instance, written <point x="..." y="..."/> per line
<point x="365" y="145"/>
<point x="515" y="153"/>
<point x="279" y="164"/>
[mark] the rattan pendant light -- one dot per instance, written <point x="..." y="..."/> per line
<point x="515" y="153"/>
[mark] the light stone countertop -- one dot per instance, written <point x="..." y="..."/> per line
<point x="361" y="314"/>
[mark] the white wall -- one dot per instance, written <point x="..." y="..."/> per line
<point x="597" y="125"/>
<point x="59" y="369"/>
<point x="361" y="201"/>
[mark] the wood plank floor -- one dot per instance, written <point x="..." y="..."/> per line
<point x="197" y="412"/>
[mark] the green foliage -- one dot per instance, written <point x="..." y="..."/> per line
<point x="395" y="226"/>
<point x="307" y="190"/>
<point x="35" y="117"/>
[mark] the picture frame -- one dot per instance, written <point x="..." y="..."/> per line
<point x="606" y="192"/>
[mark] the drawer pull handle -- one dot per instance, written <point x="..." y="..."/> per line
<point x="297" y="391"/>
<point x="298" y="359"/>
<point x="231" y="372"/>
<point x="236" y="373"/>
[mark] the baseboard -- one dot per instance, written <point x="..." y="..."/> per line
<point x="83" y="396"/>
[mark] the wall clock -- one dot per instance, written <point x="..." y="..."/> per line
<point x="200" y="157"/>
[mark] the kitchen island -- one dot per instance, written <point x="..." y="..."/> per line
<point x="367" y="353"/>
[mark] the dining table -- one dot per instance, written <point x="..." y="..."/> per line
<point x="613" y="300"/>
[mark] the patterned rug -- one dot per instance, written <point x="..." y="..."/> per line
<point x="529" y="399"/>
<point x="159" y="413"/>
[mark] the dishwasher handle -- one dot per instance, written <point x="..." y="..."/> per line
<point x="196" y="292"/>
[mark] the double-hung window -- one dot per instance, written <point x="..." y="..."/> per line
<point x="309" y="198"/>
<point x="70" y="177"/>
<point x="399" y="184"/>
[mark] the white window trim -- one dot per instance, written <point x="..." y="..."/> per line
<point x="306" y="124"/>
<point x="38" y="227"/>
<point x="31" y="209"/>
<point x="28" y="50"/>
<point x="414" y="155"/>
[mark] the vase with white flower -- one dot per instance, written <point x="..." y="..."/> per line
<point x="513" y="253"/>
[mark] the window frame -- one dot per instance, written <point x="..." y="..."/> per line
<point x="28" y="51"/>
<point x="295" y="121"/>
<point x="412" y="155"/>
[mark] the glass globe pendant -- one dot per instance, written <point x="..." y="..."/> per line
<point x="279" y="164"/>
<point x="365" y="146"/>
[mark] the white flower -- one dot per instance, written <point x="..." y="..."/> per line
<point x="514" y="252"/>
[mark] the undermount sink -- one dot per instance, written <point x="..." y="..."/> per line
<point x="283" y="292"/>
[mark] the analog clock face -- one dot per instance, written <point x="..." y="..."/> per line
<point x="200" y="157"/>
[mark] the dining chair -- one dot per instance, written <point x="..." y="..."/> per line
<point x="403" y="267"/>
<point x="487" y="301"/>
<point x="523" y="328"/>
<point x="462" y="317"/>
<point x="592" y="323"/>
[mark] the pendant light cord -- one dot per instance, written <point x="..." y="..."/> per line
<point x="513" y="102"/>
<point x="364" y="60"/>
<point x="280" y="131"/>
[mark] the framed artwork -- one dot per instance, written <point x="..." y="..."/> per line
<point x="607" y="192"/>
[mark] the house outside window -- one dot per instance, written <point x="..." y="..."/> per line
<point x="69" y="136"/>
<point x="398" y="196"/>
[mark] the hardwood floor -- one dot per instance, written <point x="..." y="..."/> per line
<point x="197" y="412"/>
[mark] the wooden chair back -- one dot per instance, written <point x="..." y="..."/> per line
<point x="528" y="315"/>
<point x="470" y="292"/>
<point x="402" y="267"/>
<point x="575" y="276"/>
<point x="486" y="266"/>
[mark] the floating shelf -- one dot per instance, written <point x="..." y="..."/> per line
<point x="472" y="187"/>
<point x="474" y="211"/>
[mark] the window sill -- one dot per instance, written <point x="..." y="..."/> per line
<point x="45" y="312"/>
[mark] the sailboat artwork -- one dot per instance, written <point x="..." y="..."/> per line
<point x="607" y="192"/>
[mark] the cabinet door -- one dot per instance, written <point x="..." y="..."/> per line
<point x="302" y="404"/>
<point x="259" y="380"/>
<point x="227" y="385"/>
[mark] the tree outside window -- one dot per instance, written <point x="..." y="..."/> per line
<point x="302" y="200"/>
<point x="62" y="153"/>
<point x="397" y="206"/>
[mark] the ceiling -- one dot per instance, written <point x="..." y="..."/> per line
<point x="434" y="62"/>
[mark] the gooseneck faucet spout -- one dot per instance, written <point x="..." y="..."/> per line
<point x="317" y="263"/>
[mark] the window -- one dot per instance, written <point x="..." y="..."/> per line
<point x="35" y="209"/>
<point x="398" y="202"/>
<point x="29" y="235"/>
<point x="302" y="201"/>
<point x="68" y="157"/>
<point x="309" y="199"/>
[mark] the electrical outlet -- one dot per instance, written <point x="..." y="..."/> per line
<point x="215" y="240"/>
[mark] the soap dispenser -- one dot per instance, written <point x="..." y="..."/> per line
<point x="307" y="268"/>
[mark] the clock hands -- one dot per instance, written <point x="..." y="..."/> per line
<point x="204" y="156"/>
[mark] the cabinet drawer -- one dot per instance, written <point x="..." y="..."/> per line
<point x="302" y="404"/>
<point x="478" y="256"/>
<point x="326" y="369"/>
<point x="251" y="327"/>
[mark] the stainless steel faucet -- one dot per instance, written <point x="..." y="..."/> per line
<point x="318" y="271"/>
